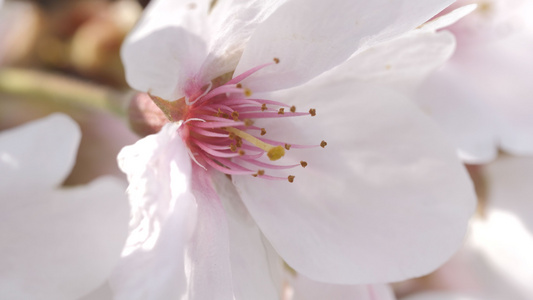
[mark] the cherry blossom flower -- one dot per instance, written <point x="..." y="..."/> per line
<point x="57" y="243"/>
<point x="481" y="96"/>
<point x="238" y="179"/>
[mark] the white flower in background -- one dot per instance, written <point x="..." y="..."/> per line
<point x="482" y="96"/>
<point x="57" y="242"/>
<point x="385" y="200"/>
<point x="495" y="262"/>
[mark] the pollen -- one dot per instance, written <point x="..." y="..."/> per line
<point x="248" y="122"/>
<point x="235" y="116"/>
<point x="247" y="92"/>
<point x="276" y="153"/>
<point x="241" y="152"/>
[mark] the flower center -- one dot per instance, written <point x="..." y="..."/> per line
<point x="218" y="127"/>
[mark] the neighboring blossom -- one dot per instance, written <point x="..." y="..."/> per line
<point x="58" y="243"/>
<point x="239" y="179"/>
<point x="482" y="96"/>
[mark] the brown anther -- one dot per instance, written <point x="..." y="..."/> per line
<point x="288" y="146"/>
<point x="219" y="112"/>
<point x="231" y="135"/>
<point x="263" y="107"/>
<point x="263" y="131"/>
<point x="291" y="178"/>
<point x="323" y="144"/>
<point x="281" y="111"/>
<point x="235" y="116"/>
<point x="225" y="115"/>
<point x="303" y="163"/>
<point x="238" y="85"/>
<point x="248" y="122"/>
<point x="233" y="148"/>
<point x="254" y="175"/>
<point x="261" y="172"/>
<point x="247" y="92"/>
<point x="312" y="111"/>
<point x="238" y="142"/>
<point x="276" y="60"/>
<point x="241" y="152"/>
<point x="293" y="108"/>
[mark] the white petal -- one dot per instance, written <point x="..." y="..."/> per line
<point x="61" y="244"/>
<point x="310" y="37"/>
<point x="101" y="293"/>
<point x="255" y="266"/>
<point x="232" y="23"/>
<point x="355" y="214"/>
<point x="38" y="155"/>
<point x="307" y="289"/>
<point x="449" y="18"/>
<point x="400" y="63"/>
<point x="452" y="99"/>
<point x="178" y="246"/>
<point x="166" y="50"/>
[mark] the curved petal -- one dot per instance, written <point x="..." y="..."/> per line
<point x="22" y="167"/>
<point x="178" y="233"/>
<point x="401" y="63"/>
<point x="60" y="245"/>
<point x="167" y="48"/>
<point x="255" y="266"/>
<point x="232" y="23"/>
<point x="310" y="37"/>
<point x="307" y="289"/>
<point x="386" y="200"/>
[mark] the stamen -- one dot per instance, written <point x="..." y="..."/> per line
<point x="288" y="146"/>
<point x="291" y="178"/>
<point x="273" y="152"/>
<point x="281" y="111"/>
<point x="303" y="163"/>
<point x="323" y="144"/>
<point x="263" y="107"/>
<point x="293" y="109"/>
<point x="263" y="131"/>
<point x="312" y="111"/>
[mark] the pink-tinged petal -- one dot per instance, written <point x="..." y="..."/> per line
<point x="255" y="266"/>
<point x="38" y="155"/>
<point x="165" y="51"/>
<point x="354" y="214"/>
<point x="310" y="37"/>
<point x="449" y="18"/>
<point x="439" y="296"/>
<point x="61" y="244"/>
<point x="232" y="23"/>
<point x="401" y="63"/>
<point x="178" y="244"/>
<point x="307" y="289"/>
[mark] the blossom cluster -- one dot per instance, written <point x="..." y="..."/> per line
<point x="282" y="149"/>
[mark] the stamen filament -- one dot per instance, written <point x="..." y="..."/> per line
<point x="273" y="152"/>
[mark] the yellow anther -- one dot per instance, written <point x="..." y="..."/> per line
<point x="231" y="136"/>
<point x="303" y="163"/>
<point x="261" y="172"/>
<point x="248" y="122"/>
<point x="293" y="108"/>
<point x="241" y="152"/>
<point x="323" y="144"/>
<point x="233" y="148"/>
<point x="273" y="152"/>
<point x="281" y="111"/>
<point x="238" y="85"/>
<point x="235" y="116"/>
<point x="291" y="178"/>
<point x="312" y="111"/>
<point x="247" y="92"/>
